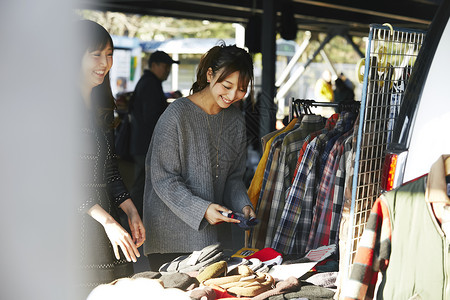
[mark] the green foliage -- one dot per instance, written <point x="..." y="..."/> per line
<point x="149" y="28"/>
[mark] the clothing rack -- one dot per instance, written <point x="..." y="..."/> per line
<point x="298" y="105"/>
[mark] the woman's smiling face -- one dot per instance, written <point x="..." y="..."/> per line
<point x="228" y="91"/>
<point x="95" y="65"/>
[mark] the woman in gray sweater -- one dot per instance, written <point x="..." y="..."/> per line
<point x="196" y="161"/>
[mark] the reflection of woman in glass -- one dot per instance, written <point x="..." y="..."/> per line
<point x="196" y="161"/>
<point x="106" y="247"/>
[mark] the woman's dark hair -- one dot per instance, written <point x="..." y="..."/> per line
<point x="229" y="59"/>
<point x="92" y="37"/>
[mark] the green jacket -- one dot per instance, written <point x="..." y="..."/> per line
<point x="419" y="262"/>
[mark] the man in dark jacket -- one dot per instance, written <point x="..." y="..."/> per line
<point x="146" y="106"/>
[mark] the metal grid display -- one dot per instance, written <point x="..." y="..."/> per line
<point x="390" y="55"/>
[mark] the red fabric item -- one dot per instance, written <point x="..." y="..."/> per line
<point x="320" y="263"/>
<point x="223" y="294"/>
<point x="265" y="254"/>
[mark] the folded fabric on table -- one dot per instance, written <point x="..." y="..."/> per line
<point x="203" y="293"/>
<point x="194" y="261"/>
<point x="247" y="283"/>
<point x="242" y="272"/>
<point x="147" y="274"/>
<point x="289" y="285"/>
<point x="327" y="279"/>
<point x="139" y="288"/>
<point x="234" y="262"/>
<point x="217" y="269"/>
<point x="180" y="281"/>
<point x="307" y="291"/>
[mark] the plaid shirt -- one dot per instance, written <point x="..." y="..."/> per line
<point x="346" y="124"/>
<point x="256" y="184"/>
<point x="288" y="158"/>
<point x="339" y="186"/>
<point x="331" y="122"/>
<point x="272" y="165"/>
<point x="257" y="234"/>
<point x="319" y="234"/>
<point x="292" y="214"/>
<point x="372" y="254"/>
<point x="293" y="230"/>
<point x="267" y="186"/>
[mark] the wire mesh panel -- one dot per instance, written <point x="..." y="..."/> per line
<point x="390" y="56"/>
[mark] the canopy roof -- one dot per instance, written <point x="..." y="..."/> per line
<point x="353" y="16"/>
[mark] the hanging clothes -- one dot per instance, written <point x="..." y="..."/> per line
<point x="285" y="147"/>
<point x="280" y="192"/>
<point x="302" y="179"/>
<point x="271" y="164"/>
<point x="255" y="186"/>
<point x="403" y="240"/>
<point x="293" y="230"/>
<point x="320" y="231"/>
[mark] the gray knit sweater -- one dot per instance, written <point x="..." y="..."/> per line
<point x="181" y="177"/>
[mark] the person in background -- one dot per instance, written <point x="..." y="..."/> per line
<point x="196" y="161"/>
<point x="146" y="106"/>
<point x="106" y="247"/>
<point x="342" y="91"/>
<point x="323" y="91"/>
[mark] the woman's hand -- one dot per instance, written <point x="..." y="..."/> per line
<point x="117" y="235"/>
<point x="135" y="222"/>
<point x="248" y="212"/>
<point x="213" y="214"/>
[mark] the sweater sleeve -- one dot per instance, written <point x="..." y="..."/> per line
<point x="372" y="254"/>
<point x="236" y="195"/>
<point x="165" y="166"/>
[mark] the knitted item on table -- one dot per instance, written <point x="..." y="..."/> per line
<point x="147" y="274"/>
<point x="139" y="288"/>
<point x="221" y="293"/>
<point x="251" y="287"/>
<point x="243" y="272"/>
<point x="307" y="291"/>
<point x="218" y="269"/>
<point x="288" y="285"/>
<point x="247" y="283"/>
<point x="180" y="281"/>
<point x="203" y="293"/>
<point x="195" y="261"/>
<point x="268" y="256"/>
<point x="234" y="262"/>
<point x="255" y="264"/>
<point x="327" y="279"/>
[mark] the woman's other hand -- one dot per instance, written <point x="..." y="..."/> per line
<point x="134" y="221"/>
<point x="248" y="212"/>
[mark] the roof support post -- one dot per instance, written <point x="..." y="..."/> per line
<point x="267" y="107"/>
<point x="355" y="47"/>
<point x="293" y="61"/>
<point x="329" y="63"/>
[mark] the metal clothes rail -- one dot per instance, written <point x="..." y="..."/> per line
<point x="390" y="56"/>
